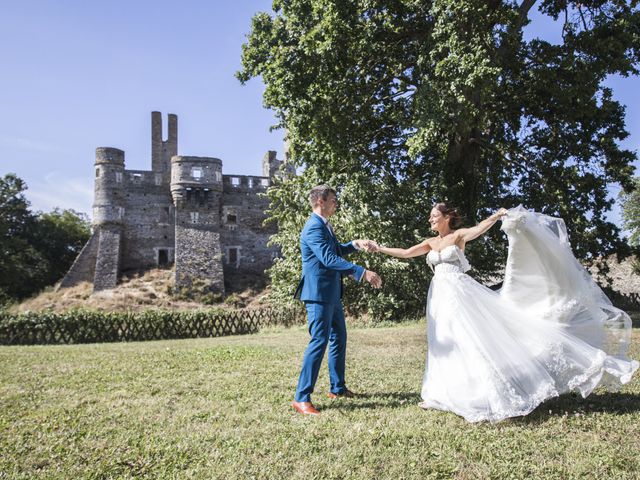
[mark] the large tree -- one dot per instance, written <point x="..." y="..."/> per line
<point x="631" y="213"/>
<point x="36" y="249"/>
<point x="400" y="103"/>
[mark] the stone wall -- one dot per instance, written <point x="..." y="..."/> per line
<point x="84" y="266"/>
<point x="244" y="237"/>
<point x="108" y="258"/>
<point x="148" y="220"/>
<point x="198" y="252"/>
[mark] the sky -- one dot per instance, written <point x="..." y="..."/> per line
<point x="77" y="75"/>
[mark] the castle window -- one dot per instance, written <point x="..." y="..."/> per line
<point x="196" y="173"/>
<point x="136" y="177"/>
<point x="118" y="177"/>
<point x="120" y="213"/>
<point x="218" y="176"/>
<point x="235" y="181"/>
<point x="250" y="182"/>
<point x="158" y="179"/>
<point x="264" y="182"/>
<point x="97" y="172"/>
<point x="233" y="256"/>
<point x="163" y="257"/>
<point x="232" y="218"/>
<point x="194" y="217"/>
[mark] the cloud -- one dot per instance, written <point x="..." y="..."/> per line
<point x="58" y="190"/>
<point x="29" y="144"/>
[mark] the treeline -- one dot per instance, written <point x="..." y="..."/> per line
<point x="36" y="248"/>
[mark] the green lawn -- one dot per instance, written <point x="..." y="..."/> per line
<point x="220" y="408"/>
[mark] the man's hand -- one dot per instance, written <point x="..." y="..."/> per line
<point x="361" y="244"/>
<point x="372" y="247"/>
<point x="366" y="245"/>
<point x="373" y="278"/>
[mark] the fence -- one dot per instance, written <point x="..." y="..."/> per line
<point x="91" y="327"/>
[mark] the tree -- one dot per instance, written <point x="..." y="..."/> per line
<point x="61" y="234"/>
<point x="21" y="265"/>
<point x="400" y="103"/>
<point x="631" y="213"/>
<point x="36" y="249"/>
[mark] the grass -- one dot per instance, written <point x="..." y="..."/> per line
<point x="220" y="408"/>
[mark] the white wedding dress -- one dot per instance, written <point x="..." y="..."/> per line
<point x="549" y="330"/>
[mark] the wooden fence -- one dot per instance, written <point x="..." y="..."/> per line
<point x="91" y="327"/>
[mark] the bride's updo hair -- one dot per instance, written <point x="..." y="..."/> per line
<point x="455" y="221"/>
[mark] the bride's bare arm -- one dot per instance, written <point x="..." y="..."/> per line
<point x="468" y="234"/>
<point x="410" y="252"/>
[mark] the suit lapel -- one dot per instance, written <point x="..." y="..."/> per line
<point x="329" y="232"/>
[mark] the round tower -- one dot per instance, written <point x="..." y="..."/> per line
<point x="109" y="189"/>
<point x="196" y="188"/>
<point x="196" y="181"/>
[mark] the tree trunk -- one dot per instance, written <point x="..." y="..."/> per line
<point x="461" y="174"/>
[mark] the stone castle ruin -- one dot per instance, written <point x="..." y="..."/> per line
<point x="183" y="211"/>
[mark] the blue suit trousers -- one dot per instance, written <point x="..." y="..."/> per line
<point x="326" y="327"/>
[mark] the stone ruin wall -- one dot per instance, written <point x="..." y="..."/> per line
<point x="142" y="216"/>
<point x="148" y="220"/>
<point x="244" y="231"/>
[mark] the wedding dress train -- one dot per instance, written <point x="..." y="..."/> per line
<point x="549" y="330"/>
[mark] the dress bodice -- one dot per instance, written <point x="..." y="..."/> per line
<point x="450" y="259"/>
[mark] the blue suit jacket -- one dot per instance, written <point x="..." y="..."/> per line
<point x="322" y="264"/>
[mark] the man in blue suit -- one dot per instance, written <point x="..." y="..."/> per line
<point x="321" y="290"/>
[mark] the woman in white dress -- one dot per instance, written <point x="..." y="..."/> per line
<point x="549" y="330"/>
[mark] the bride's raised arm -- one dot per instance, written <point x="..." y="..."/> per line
<point x="472" y="233"/>
<point x="415" y="251"/>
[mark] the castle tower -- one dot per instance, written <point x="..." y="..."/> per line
<point x="196" y="188"/>
<point x="163" y="150"/>
<point x="272" y="167"/>
<point x="108" y="213"/>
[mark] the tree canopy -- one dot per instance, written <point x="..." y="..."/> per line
<point x="402" y="103"/>
<point x="631" y="213"/>
<point x="36" y="249"/>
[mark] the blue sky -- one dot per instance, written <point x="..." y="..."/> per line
<point x="77" y="75"/>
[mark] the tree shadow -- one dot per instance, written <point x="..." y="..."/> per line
<point x="374" y="400"/>
<point x="572" y="404"/>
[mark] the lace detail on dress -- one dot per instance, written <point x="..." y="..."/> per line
<point x="450" y="259"/>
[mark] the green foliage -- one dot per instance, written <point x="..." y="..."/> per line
<point x="399" y="104"/>
<point x="37" y="248"/>
<point x="631" y="213"/>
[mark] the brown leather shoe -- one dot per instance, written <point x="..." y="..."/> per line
<point x="305" y="408"/>
<point x="346" y="394"/>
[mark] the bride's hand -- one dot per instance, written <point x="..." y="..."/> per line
<point x="372" y="247"/>
<point x="500" y="213"/>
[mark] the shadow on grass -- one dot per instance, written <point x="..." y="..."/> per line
<point x="572" y="404"/>
<point x="375" y="400"/>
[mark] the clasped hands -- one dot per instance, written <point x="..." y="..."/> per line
<point x="370" y="246"/>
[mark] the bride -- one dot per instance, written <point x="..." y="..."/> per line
<point x="549" y="330"/>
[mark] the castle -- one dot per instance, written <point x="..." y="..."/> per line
<point x="183" y="211"/>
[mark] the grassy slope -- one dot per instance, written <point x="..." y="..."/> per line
<point x="219" y="408"/>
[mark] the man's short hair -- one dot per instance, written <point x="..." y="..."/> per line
<point x="320" y="192"/>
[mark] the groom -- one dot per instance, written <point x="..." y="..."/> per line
<point x="321" y="290"/>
